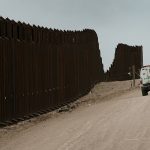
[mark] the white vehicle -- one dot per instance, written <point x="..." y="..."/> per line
<point x="145" y="79"/>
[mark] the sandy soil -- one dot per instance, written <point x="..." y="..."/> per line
<point x="111" y="117"/>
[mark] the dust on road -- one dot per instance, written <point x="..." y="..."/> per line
<point x="119" y="123"/>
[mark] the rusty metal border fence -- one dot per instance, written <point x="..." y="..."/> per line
<point x="43" y="69"/>
<point x="125" y="57"/>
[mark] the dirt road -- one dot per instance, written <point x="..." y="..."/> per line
<point x="122" y="123"/>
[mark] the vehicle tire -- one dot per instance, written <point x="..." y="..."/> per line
<point x="144" y="92"/>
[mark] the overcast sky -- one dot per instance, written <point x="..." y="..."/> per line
<point x="115" y="21"/>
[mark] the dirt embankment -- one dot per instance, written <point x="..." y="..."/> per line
<point x="102" y="91"/>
